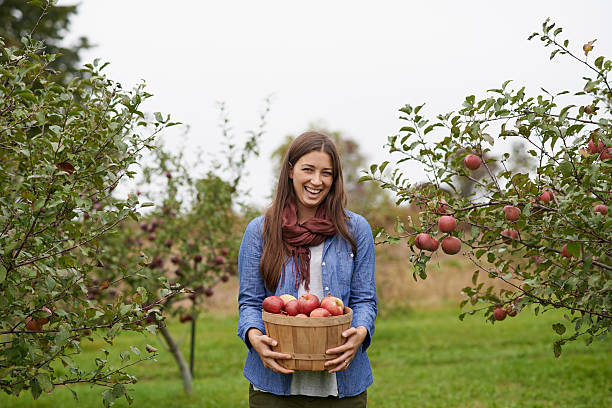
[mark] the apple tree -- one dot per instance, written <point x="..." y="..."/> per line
<point x="63" y="149"/>
<point x="543" y="230"/>
<point x="191" y="236"/>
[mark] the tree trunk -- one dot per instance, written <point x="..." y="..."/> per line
<point x="180" y="361"/>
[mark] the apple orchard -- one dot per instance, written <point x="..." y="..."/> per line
<point x="536" y="219"/>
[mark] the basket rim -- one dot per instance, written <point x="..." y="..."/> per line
<point x="284" y="320"/>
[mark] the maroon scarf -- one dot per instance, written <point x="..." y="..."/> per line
<point x="298" y="237"/>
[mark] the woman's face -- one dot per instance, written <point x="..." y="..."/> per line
<point x="312" y="177"/>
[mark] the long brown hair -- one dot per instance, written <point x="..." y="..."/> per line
<point x="274" y="252"/>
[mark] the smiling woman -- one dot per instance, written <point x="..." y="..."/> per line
<point x="308" y="243"/>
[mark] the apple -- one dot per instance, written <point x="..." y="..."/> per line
<point x="499" y="314"/>
<point x="565" y="253"/>
<point x="291" y="307"/>
<point x="209" y="292"/>
<point x="434" y="245"/>
<point x="451" y="245"/>
<point x="509" y="234"/>
<point x="45" y="320"/>
<point x="320" y="312"/>
<point x="287" y="297"/>
<point x="511" y="311"/>
<point x="307" y="303"/>
<point x="220" y="260"/>
<point x="224" y="251"/>
<point x="602" y="209"/>
<point x="334" y="305"/>
<point x="595" y="149"/>
<point x="273" y="304"/>
<point x="546" y="196"/>
<point x="224" y="278"/>
<point x="197" y="258"/>
<point x="512" y="213"/>
<point x="175" y="259"/>
<point x="168" y="175"/>
<point x="442" y="208"/>
<point x="424" y="241"/>
<point x="447" y="223"/>
<point x="472" y="161"/>
<point x="33" y="324"/>
<point x="301" y="315"/>
<point x="186" y="318"/>
<point x="168" y="243"/>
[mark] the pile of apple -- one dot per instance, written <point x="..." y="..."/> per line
<point x="307" y="305"/>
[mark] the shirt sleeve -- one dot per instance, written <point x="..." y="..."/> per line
<point x="252" y="289"/>
<point x="363" y="286"/>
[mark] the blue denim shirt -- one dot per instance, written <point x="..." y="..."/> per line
<point x="346" y="275"/>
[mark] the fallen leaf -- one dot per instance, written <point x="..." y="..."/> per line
<point x="588" y="47"/>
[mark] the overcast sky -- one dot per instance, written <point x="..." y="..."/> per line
<point x="350" y="64"/>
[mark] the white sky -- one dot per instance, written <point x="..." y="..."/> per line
<point x="351" y="64"/>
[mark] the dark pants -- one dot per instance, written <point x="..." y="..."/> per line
<point x="260" y="399"/>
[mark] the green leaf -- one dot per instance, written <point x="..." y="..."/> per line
<point x="559" y="328"/>
<point x="45" y="382"/>
<point x="557" y="349"/>
<point x="364" y="178"/>
<point x="2" y="273"/>
<point x="566" y="168"/>
<point x="574" y="248"/>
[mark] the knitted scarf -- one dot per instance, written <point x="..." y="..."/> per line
<point x="298" y="237"/>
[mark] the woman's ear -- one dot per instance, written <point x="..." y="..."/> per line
<point x="290" y="172"/>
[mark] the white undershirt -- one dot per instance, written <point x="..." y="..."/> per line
<point x="314" y="383"/>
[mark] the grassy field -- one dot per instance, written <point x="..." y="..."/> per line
<point x="420" y="357"/>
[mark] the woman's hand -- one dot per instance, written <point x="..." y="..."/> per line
<point x="263" y="346"/>
<point x="355" y="336"/>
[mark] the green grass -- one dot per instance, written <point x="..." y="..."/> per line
<point x="424" y="358"/>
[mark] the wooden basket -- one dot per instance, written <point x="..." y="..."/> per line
<point x="306" y="339"/>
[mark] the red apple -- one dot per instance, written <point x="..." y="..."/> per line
<point x="33" y="324"/>
<point x="565" y="253"/>
<point x="602" y="209"/>
<point x="509" y="234"/>
<point x="512" y="213"/>
<point x="209" y="292"/>
<point x="273" y="304"/>
<point x="334" y="305"/>
<point x="499" y="314"/>
<point x="447" y="223"/>
<point x="220" y="260"/>
<point x="451" y="245"/>
<point x="45" y="320"/>
<point x="301" y="315"/>
<point x="472" y="161"/>
<point x="434" y="244"/>
<point x="546" y="196"/>
<point x="224" y="251"/>
<point x="443" y="207"/>
<point x="307" y="303"/>
<point x="291" y="307"/>
<point x="186" y="318"/>
<point x="595" y="148"/>
<point x="424" y="241"/>
<point x="320" y="312"/>
<point x="511" y="311"/>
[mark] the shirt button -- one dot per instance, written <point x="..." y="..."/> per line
<point x="352" y="255"/>
<point x="322" y="263"/>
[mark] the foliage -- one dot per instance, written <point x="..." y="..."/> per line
<point x="560" y="257"/>
<point x="191" y="235"/>
<point x="44" y="21"/>
<point x="63" y="149"/>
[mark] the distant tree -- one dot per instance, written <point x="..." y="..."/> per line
<point x="45" y="22"/>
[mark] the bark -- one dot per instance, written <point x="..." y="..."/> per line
<point x="180" y="360"/>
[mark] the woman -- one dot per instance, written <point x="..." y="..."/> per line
<point x="307" y="241"/>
